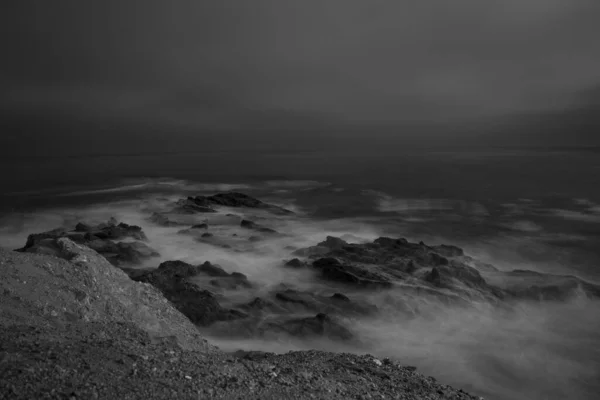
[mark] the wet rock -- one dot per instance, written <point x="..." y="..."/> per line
<point x="200" y="306"/>
<point x="162" y="220"/>
<point x="448" y="251"/>
<point x="237" y="200"/>
<point x="340" y="297"/>
<point x="122" y="253"/>
<point x="333" y="243"/>
<point x="260" y="305"/>
<point x="103" y="238"/>
<point x="254" y="226"/>
<point x="295" y="263"/>
<point x="332" y="269"/>
<point x="446" y="276"/>
<point x="191" y="206"/>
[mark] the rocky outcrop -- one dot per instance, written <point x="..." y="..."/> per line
<point x="236" y="200"/>
<point x="74" y="326"/>
<point x="106" y="239"/>
<point x="81" y="286"/>
<point x="246" y="224"/>
<point x="331" y="269"/>
<point x="173" y="279"/>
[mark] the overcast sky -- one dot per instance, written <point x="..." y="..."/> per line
<point x="223" y="62"/>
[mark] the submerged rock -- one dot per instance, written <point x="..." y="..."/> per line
<point x="254" y="226"/>
<point x="237" y="200"/>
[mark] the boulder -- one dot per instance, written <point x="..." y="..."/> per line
<point x="200" y="306"/>
<point x="162" y="220"/>
<point x="361" y="276"/>
<point x="295" y="263"/>
<point x="333" y="243"/>
<point x="101" y="238"/>
<point x="254" y="226"/>
<point x="236" y="200"/>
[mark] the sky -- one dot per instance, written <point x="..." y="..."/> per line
<point x="193" y="67"/>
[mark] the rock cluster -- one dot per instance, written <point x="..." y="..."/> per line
<point x="121" y="244"/>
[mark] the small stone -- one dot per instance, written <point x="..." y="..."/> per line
<point x="188" y="377"/>
<point x="377" y="362"/>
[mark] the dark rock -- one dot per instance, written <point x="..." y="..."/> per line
<point x="100" y="238"/>
<point x="127" y="252"/>
<point x="200" y="226"/>
<point x="340" y="296"/>
<point x="207" y="235"/>
<point x="190" y="206"/>
<point x="333" y="243"/>
<point x="295" y="263"/>
<point x="332" y="269"/>
<point x="81" y="227"/>
<point x="260" y="305"/>
<point x="445" y="276"/>
<point x="211" y="270"/>
<point x="254" y="226"/>
<point x="162" y="220"/>
<point x="236" y="200"/>
<point x="389" y="242"/>
<point x="448" y="251"/>
<point x="200" y="306"/>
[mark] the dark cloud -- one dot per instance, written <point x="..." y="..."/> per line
<point x="223" y="64"/>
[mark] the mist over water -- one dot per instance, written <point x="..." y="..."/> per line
<point x="527" y="350"/>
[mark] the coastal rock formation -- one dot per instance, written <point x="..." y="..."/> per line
<point x="77" y="327"/>
<point x="106" y="238"/>
<point x="209" y="204"/>
<point x="257" y="227"/>
<point x="173" y="279"/>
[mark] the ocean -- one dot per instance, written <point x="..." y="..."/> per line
<point x="518" y="209"/>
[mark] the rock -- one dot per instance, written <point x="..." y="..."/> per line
<point x="190" y="206"/>
<point x="237" y="200"/>
<point x="200" y="226"/>
<point x="332" y="269"/>
<point x="333" y="243"/>
<point x="207" y="235"/>
<point x="448" y="251"/>
<point x="254" y="226"/>
<point x="82" y="286"/>
<point x="100" y="238"/>
<point x="446" y="276"/>
<point x="129" y="253"/>
<point x="200" y="306"/>
<point x="81" y="227"/>
<point x="340" y="297"/>
<point x="162" y="220"/>
<point x="295" y="263"/>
